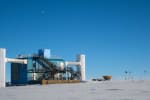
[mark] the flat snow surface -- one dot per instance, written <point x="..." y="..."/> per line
<point x="104" y="90"/>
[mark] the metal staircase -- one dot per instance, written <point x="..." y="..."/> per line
<point x="48" y="65"/>
<point x="50" y="68"/>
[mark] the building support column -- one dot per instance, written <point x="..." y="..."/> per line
<point x="2" y="67"/>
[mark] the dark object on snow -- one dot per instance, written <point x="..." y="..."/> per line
<point x="106" y="77"/>
<point x="94" y="79"/>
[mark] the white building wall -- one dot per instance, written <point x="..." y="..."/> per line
<point x="2" y="67"/>
<point x="81" y="59"/>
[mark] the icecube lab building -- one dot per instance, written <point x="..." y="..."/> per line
<point x="41" y="66"/>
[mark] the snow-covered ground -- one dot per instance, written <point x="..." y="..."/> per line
<point x="104" y="90"/>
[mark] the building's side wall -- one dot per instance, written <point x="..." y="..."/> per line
<point x="18" y="73"/>
<point x="29" y="68"/>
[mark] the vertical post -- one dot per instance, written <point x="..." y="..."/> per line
<point x="81" y="59"/>
<point x="2" y="67"/>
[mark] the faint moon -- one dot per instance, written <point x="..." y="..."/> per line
<point x="42" y="12"/>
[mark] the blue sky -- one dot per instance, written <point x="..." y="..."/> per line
<point x="113" y="34"/>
